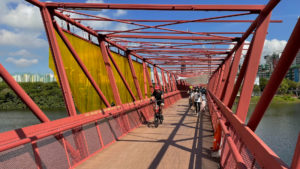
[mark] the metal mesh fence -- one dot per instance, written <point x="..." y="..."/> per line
<point x="68" y="148"/>
<point x="20" y="157"/>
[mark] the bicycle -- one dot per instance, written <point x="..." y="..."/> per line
<point x="158" y="117"/>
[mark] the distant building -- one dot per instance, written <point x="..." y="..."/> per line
<point x="30" y="77"/>
<point x="264" y="71"/>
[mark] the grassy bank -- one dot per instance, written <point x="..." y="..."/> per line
<point x="278" y="99"/>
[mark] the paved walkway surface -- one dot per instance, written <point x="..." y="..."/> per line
<point x="182" y="141"/>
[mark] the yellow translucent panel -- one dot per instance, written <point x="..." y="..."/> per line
<point x="85" y="96"/>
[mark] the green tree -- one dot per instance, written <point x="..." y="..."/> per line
<point x="284" y="86"/>
<point x="292" y="84"/>
<point x="262" y="83"/>
<point x="256" y="89"/>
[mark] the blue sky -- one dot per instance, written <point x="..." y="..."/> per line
<point x="24" y="46"/>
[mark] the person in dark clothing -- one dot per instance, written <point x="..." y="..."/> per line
<point x="158" y="95"/>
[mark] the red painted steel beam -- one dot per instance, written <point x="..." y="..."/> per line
<point x="200" y="51"/>
<point x="23" y="95"/>
<point x="229" y="84"/>
<point x="174" y="82"/>
<point x="148" y="78"/>
<point x="145" y="20"/>
<point x="288" y="55"/>
<point x="225" y="76"/>
<point x="147" y="26"/>
<point x="186" y="59"/>
<point x="185" y="63"/>
<point x="164" y="81"/>
<point x="260" y="18"/>
<point x="121" y="74"/>
<point x="176" y="47"/>
<point x="173" y="37"/>
<point x="81" y="64"/>
<point x="92" y="32"/>
<point x="191" y="67"/>
<point x="169" y="82"/>
<point x="188" y="69"/>
<point x="36" y="3"/>
<point x="133" y="73"/>
<point x="149" y="32"/>
<point x="183" y="43"/>
<point x="86" y="6"/>
<point x="109" y="71"/>
<point x="59" y="66"/>
<point x="145" y="78"/>
<point x="252" y="68"/>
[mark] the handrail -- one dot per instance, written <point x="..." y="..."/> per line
<point x="39" y="131"/>
<point x="260" y="151"/>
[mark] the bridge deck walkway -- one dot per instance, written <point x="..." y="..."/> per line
<point x="182" y="141"/>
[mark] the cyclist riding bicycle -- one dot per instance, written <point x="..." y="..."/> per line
<point x="158" y="95"/>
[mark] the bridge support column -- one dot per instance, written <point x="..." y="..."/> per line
<point x="288" y="55"/>
<point x="231" y="75"/>
<point x="252" y="68"/>
<point x="64" y="83"/>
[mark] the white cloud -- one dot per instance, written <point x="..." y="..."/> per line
<point x="21" y="39"/>
<point x="22" y="62"/>
<point x="99" y="24"/>
<point x="94" y="1"/>
<point x="120" y="12"/>
<point x="22" y="16"/>
<point x="273" y="46"/>
<point x="270" y="47"/>
<point x="22" y="53"/>
<point x="121" y="27"/>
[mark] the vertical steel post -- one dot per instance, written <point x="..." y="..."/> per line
<point x="145" y="78"/>
<point x="37" y="156"/>
<point x="252" y="68"/>
<point x="60" y="69"/>
<point x="216" y="77"/>
<point x="135" y="79"/>
<point x="169" y="82"/>
<point x="231" y="75"/>
<point x="164" y="81"/>
<point x="288" y="55"/>
<point x="149" y="79"/>
<point x="240" y="78"/>
<point x="225" y="75"/>
<point x="174" y="82"/>
<point x="218" y="90"/>
<point x="109" y="71"/>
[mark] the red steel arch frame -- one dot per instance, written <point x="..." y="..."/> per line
<point x="221" y="87"/>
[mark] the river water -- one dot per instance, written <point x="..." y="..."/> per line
<point x="279" y="127"/>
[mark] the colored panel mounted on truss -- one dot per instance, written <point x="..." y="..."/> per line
<point x="85" y="97"/>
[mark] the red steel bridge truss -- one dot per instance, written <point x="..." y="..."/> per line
<point x="172" y="52"/>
